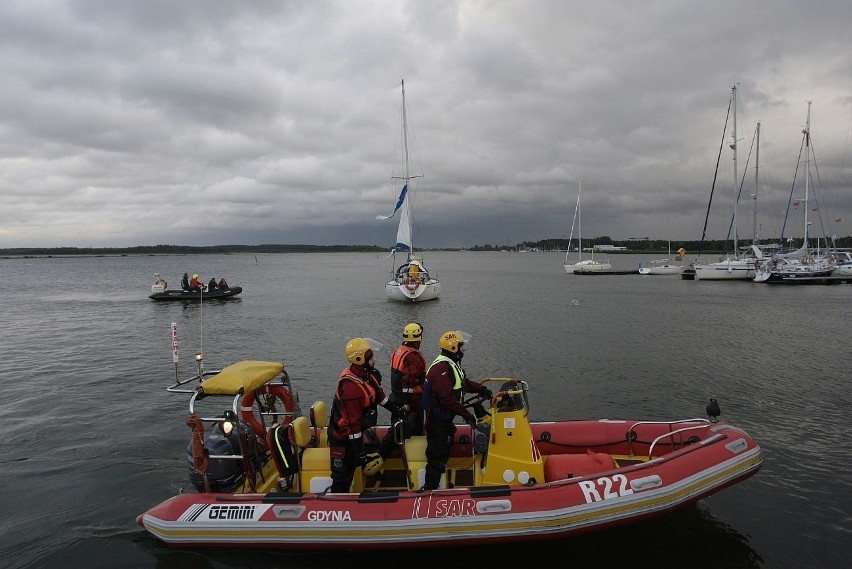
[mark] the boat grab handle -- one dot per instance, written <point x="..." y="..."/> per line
<point x="667" y="435"/>
<point x="493" y="506"/>
<point x="632" y="435"/>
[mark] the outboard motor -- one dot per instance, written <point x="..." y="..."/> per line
<point x="159" y="286"/>
<point x="223" y="474"/>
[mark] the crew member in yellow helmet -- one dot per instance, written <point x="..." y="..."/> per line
<point x="354" y="410"/>
<point x="408" y="372"/>
<point x="446" y="383"/>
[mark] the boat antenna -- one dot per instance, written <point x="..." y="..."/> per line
<point x="199" y="355"/>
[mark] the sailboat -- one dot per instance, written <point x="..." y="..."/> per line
<point x="410" y="281"/>
<point x="732" y="267"/>
<point x="798" y="267"/>
<point x="582" y="265"/>
<point x="663" y="266"/>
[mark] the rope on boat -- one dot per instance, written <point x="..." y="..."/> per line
<point x="248" y="466"/>
<point x="199" y="458"/>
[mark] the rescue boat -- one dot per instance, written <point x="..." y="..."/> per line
<point x="260" y="470"/>
<point x="160" y="291"/>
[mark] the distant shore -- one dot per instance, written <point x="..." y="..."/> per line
<point x="47" y="252"/>
<point x="634" y="247"/>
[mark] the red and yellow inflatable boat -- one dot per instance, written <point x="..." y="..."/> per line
<point x="261" y="471"/>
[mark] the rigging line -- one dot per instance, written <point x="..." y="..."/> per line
<point x="715" y="174"/>
<point x="742" y="183"/>
<point x="819" y="197"/>
<point x="792" y="189"/>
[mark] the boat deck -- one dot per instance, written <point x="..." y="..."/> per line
<point x="812" y="280"/>
<point x="609" y="272"/>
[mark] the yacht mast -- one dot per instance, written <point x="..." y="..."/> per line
<point x="406" y="174"/>
<point x="807" y="133"/>
<point x="736" y="180"/>
<point x="754" y="197"/>
<point x="573" y="222"/>
<point x="579" y="224"/>
<point x="404" y="137"/>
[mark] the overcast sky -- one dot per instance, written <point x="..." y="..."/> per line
<point x="210" y="122"/>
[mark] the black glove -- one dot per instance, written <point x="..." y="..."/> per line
<point x="358" y="449"/>
<point x="486" y="394"/>
<point x="377" y="374"/>
<point x="398" y="415"/>
<point x="470" y="420"/>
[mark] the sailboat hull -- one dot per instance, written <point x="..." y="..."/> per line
<point x="413" y="292"/>
<point x="588" y="266"/>
<point x="729" y="270"/>
<point x="661" y="270"/>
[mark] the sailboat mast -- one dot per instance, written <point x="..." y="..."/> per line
<point x="734" y="148"/>
<point x="668" y="226"/>
<point x="573" y="221"/>
<point x="807" y="133"/>
<point x="405" y="137"/>
<point x="407" y="176"/>
<point x="579" y="224"/>
<point x="754" y="197"/>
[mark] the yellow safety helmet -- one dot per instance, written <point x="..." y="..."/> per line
<point x="412" y="332"/>
<point x="357" y="350"/>
<point x="195" y="276"/>
<point x="452" y="340"/>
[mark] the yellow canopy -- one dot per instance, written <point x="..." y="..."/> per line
<point x="247" y="375"/>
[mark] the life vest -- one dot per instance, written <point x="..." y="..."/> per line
<point x="400" y="393"/>
<point x="369" y="403"/>
<point x="432" y="405"/>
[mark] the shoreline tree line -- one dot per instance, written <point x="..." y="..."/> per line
<point x="644" y="245"/>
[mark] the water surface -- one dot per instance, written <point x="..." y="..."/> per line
<point x="92" y="439"/>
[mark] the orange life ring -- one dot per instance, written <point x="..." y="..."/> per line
<point x="272" y="393"/>
<point x="412" y="285"/>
